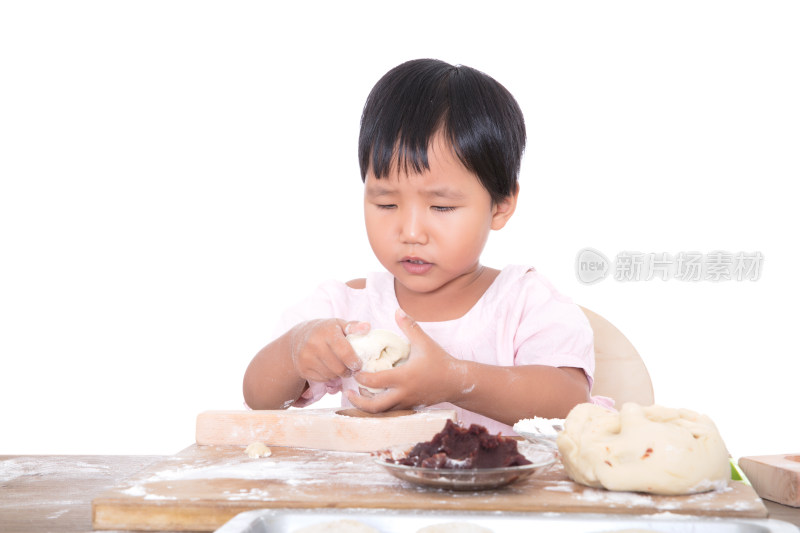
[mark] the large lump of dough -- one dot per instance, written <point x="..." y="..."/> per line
<point x="652" y="449"/>
<point x="380" y="349"/>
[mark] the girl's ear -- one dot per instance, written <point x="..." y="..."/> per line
<point x="503" y="209"/>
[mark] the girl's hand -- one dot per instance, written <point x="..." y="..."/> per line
<point x="430" y="376"/>
<point x="320" y="351"/>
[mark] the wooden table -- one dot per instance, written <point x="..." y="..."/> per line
<point x="54" y="493"/>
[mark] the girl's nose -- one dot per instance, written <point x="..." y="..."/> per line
<point x="412" y="228"/>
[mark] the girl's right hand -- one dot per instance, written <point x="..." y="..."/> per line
<point x="320" y="351"/>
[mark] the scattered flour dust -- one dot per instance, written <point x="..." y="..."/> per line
<point x="269" y="468"/>
<point x="291" y="473"/>
<point x="627" y="499"/>
<point x="136" y="490"/>
<point x="561" y="487"/>
<point x="16" y="467"/>
<point x="57" y="514"/>
<point x="139" y="490"/>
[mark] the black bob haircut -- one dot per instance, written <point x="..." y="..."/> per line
<point x="414" y="101"/>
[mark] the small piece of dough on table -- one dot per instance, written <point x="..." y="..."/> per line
<point x="255" y="450"/>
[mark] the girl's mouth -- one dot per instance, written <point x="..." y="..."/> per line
<point x="415" y="265"/>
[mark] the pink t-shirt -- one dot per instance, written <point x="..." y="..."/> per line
<point x="520" y="320"/>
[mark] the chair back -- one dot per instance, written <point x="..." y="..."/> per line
<point x="619" y="372"/>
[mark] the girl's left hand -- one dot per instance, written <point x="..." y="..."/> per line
<point x="430" y="376"/>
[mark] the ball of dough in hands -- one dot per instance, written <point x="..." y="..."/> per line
<point x="652" y="449"/>
<point x="380" y="349"/>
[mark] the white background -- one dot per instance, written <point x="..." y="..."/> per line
<point x="173" y="174"/>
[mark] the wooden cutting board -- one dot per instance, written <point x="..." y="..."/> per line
<point x="322" y="429"/>
<point x="775" y="477"/>
<point x="204" y="486"/>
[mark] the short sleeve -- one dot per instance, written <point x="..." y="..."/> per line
<point x="321" y="303"/>
<point x="326" y="301"/>
<point x="552" y="330"/>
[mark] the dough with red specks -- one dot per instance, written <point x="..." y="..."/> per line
<point x="652" y="449"/>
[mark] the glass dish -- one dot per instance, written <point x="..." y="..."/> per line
<point x="471" y="478"/>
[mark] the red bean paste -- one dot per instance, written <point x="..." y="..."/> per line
<point x="460" y="448"/>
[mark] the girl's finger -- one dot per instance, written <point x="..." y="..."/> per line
<point x="356" y="327"/>
<point x="333" y="366"/>
<point x="377" y="404"/>
<point x="345" y="354"/>
<point x="410" y="328"/>
<point x="383" y="379"/>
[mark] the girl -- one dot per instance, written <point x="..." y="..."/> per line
<point x="440" y="150"/>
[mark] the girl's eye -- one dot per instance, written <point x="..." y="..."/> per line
<point x="442" y="208"/>
<point x="386" y="206"/>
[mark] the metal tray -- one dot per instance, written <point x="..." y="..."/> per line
<point x="389" y="521"/>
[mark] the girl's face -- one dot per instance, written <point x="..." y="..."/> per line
<point x="429" y="229"/>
